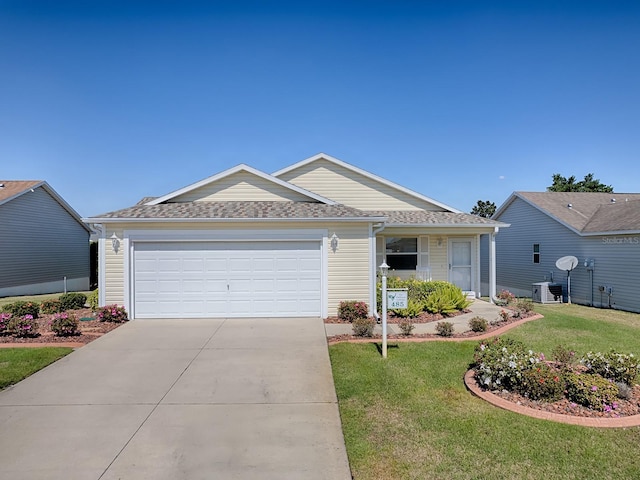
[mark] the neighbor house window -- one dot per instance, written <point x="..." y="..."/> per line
<point x="536" y="253"/>
<point x="401" y="252"/>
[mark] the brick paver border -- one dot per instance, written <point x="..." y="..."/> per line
<point x="622" y="422"/>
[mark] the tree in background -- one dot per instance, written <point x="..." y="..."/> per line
<point x="589" y="184"/>
<point x="484" y="209"/>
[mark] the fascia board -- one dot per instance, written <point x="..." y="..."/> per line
<point x="364" y="173"/>
<point x="233" y="220"/>
<point x="618" y="232"/>
<point x="448" y="225"/>
<point x="236" y="169"/>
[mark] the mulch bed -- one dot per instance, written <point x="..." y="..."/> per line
<point x="624" y="408"/>
<point x="424" y="317"/>
<point x="88" y="330"/>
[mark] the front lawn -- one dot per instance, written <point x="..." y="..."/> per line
<point x="411" y="416"/>
<point x="19" y="363"/>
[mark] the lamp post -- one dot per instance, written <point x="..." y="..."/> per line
<point x="384" y="269"/>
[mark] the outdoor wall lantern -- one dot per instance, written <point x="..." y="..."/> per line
<point x="115" y="242"/>
<point x="439" y="241"/>
<point x="334" y="242"/>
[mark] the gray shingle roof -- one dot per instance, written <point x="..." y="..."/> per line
<point x="423" y="217"/>
<point x="237" y="210"/>
<point x="590" y="212"/>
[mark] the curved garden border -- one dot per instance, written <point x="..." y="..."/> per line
<point x="621" y="422"/>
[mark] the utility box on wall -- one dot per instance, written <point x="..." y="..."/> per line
<point x="546" y="292"/>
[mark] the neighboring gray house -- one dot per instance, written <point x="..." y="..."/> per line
<point x="601" y="229"/>
<point x="43" y="241"/>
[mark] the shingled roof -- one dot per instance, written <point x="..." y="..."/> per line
<point x="424" y="217"/>
<point x="12" y="188"/>
<point x="237" y="210"/>
<point x="586" y="212"/>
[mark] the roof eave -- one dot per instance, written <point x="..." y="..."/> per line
<point x="231" y="220"/>
<point x="450" y="225"/>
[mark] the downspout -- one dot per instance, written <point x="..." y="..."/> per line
<point x="374" y="268"/>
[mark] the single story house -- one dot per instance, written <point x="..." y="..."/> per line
<point x="244" y="243"/>
<point x="602" y="230"/>
<point x="44" y="244"/>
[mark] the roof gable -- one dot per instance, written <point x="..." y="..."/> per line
<point x="240" y="183"/>
<point x="355" y="187"/>
<point x="13" y="189"/>
<point x="586" y="213"/>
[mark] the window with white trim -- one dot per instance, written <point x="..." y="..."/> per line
<point x="536" y="253"/>
<point x="407" y="253"/>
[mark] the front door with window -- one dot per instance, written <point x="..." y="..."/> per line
<point x="460" y="264"/>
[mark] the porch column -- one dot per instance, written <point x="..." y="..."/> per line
<point x="492" y="266"/>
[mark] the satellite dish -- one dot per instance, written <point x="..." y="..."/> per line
<point x="567" y="263"/>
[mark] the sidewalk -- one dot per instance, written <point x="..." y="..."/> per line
<point x="479" y="308"/>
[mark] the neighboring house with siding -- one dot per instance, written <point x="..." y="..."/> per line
<point x="601" y="229"/>
<point x="42" y="241"/>
<point x="244" y="243"/>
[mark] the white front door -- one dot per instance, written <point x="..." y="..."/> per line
<point x="460" y="263"/>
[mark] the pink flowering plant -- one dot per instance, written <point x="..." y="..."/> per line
<point x="350" y="310"/>
<point x="505" y="297"/>
<point x="64" y="324"/>
<point x="23" y="327"/>
<point x="4" y="321"/>
<point x="112" y="313"/>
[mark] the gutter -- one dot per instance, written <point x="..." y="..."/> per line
<point x="230" y="220"/>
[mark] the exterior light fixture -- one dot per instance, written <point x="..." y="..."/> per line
<point x="115" y="242"/>
<point x="439" y="241"/>
<point x="334" y="242"/>
<point x="384" y="269"/>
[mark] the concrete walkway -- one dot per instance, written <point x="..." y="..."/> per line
<point x="180" y="399"/>
<point x="479" y="308"/>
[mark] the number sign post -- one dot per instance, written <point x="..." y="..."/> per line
<point x="391" y="298"/>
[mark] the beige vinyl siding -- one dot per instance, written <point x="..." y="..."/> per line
<point x="352" y="189"/>
<point x="349" y="268"/>
<point x="241" y="186"/>
<point x="114" y="268"/>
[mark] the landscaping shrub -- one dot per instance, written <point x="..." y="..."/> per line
<point x="541" y="383"/>
<point x="22" y="308"/>
<point x="624" y="391"/>
<point x="615" y="366"/>
<point x="50" y="306"/>
<point x="444" y="329"/>
<point x="499" y="362"/>
<point x="349" y="310"/>
<point x="414" y="309"/>
<point x="93" y="300"/>
<point x="591" y="390"/>
<point x="72" y="301"/>
<point x="564" y="357"/>
<point x="417" y="290"/>
<point x="504" y="315"/>
<point x="363" y="327"/>
<point x="25" y="326"/>
<point x="505" y="297"/>
<point x="112" y="313"/>
<point x="4" y="321"/>
<point x="64" y="324"/>
<point x="406" y="327"/>
<point x="478" y="324"/>
<point x="447" y="299"/>
<point x="523" y="305"/>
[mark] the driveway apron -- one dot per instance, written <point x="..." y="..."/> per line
<point x="181" y="399"/>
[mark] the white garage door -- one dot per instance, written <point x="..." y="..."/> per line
<point x="230" y="279"/>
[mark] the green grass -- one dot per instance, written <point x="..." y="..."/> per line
<point x="410" y="416"/>
<point x="34" y="298"/>
<point x="19" y="363"/>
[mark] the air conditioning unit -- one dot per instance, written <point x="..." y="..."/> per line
<point x="547" y="292"/>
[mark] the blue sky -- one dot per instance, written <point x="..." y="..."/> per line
<point x="110" y="101"/>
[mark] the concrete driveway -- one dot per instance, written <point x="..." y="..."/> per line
<point x="180" y="399"/>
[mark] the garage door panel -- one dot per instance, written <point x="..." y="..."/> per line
<point x="232" y="279"/>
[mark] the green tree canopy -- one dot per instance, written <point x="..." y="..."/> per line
<point x="589" y="184"/>
<point x="484" y="209"/>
